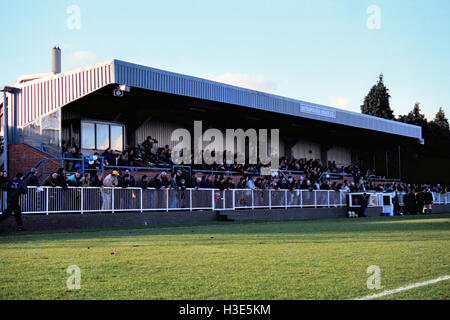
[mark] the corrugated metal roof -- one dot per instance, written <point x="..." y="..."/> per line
<point x="45" y="95"/>
<point x="143" y="77"/>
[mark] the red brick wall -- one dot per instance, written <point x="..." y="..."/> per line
<point x="21" y="158"/>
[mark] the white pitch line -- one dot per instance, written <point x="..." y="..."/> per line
<point x="412" y="286"/>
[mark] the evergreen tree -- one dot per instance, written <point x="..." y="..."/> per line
<point x="414" y="116"/>
<point x="440" y="120"/>
<point x="376" y="103"/>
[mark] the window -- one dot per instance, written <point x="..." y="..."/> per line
<point x="87" y="135"/>
<point x="116" y="137"/>
<point x="101" y="136"/>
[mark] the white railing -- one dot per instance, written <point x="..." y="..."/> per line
<point x="438" y="198"/>
<point x="50" y="200"/>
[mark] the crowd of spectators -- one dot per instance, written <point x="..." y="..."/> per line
<point x="309" y="173"/>
<point x="145" y="155"/>
<point x="179" y="181"/>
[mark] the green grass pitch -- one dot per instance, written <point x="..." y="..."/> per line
<point x="294" y="260"/>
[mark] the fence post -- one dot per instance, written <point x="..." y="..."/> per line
<point x="233" y="199"/>
<point x="112" y="199"/>
<point x="253" y="201"/>
<point x="328" y="195"/>
<point x="223" y="197"/>
<point x="190" y="199"/>
<point x="285" y="199"/>
<point x="212" y="199"/>
<point x="46" y="201"/>
<point x="167" y="200"/>
<point x="140" y="202"/>
<point x="315" y="198"/>
<point x="301" y="199"/>
<point x="82" y="201"/>
<point x="270" y="199"/>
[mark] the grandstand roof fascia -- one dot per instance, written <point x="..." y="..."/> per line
<point x="139" y="76"/>
<point x="135" y="75"/>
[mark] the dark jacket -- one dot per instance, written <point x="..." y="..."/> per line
<point x="3" y="180"/>
<point x="428" y="197"/>
<point x="50" y="182"/>
<point x="61" y="181"/>
<point x="155" y="183"/>
<point x="364" y="202"/>
<point x="142" y="183"/>
<point x="31" y="180"/>
<point x="14" y="188"/>
<point x="95" y="182"/>
<point x="126" y="181"/>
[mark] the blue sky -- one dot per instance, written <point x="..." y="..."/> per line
<point x="319" y="51"/>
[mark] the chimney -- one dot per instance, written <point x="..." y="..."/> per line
<point x="56" y="60"/>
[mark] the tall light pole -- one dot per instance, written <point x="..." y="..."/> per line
<point x="5" y="90"/>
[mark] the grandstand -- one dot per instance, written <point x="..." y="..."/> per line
<point x="115" y="119"/>
<point x="118" y="105"/>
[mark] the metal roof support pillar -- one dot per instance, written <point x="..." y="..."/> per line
<point x="387" y="165"/>
<point x="5" y="133"/>
<point x="6" y="105"/>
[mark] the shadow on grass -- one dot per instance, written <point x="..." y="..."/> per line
<point x="384" y="227"/>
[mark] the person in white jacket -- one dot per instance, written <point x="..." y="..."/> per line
<point x="110" y="181"/>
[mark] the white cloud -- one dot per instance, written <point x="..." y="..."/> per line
<point x="340" y="102"/>
<point x="259" y="83"/>
<point x="81" y="59"/>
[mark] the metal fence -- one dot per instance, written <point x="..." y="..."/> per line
<point x="48" y="200"/>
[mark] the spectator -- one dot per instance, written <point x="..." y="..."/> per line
<point x="420" y="201"/>
<point x="111" y="180"/>
<point x="250" y="184"/>
<point x="196" y="183"/>
<point x="364" y="205"/>
<point x="3" y="178"/>
<point x="396" y="204"/>
<point x="179" y="177"/>
<point x="93" y="164"/>
<point x="86" y="180"/>
<point x="14" y="189"/>
<point x="127" y="180"/>
<point x="410" y="202"/>
<point x="165" y="180"/>
<point x="143" y="182"/>
<point x="148" y="145"/>
<point x="108" y="157"/>
<point x="51" y="181"/>
<point x="182" y="185"/>
<point x="156" y="182"/>
<point x="428" y="201"/>
<point x="30" y="178"/>
<point x="97" y="181"/>
<point x="241" y="184"/>
<point x="61" y="179"/>
<point x="74" y="180"/>
<point x="173" y="181"/>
